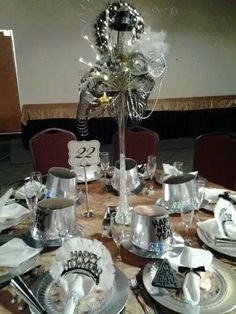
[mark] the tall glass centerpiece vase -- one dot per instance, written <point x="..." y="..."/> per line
<point x="123" y="209"/>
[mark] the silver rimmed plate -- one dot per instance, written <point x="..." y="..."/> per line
<point x="219" y="299"/>
<point x="208" y="239"/>
<point x="176" y="247"/>
<point x="114" y="305"/>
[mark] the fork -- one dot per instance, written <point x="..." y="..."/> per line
<point x="134" y="286"/>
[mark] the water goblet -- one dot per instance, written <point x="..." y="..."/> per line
<point x="62" y="226"/>
<point x="117" y="232"/>
<point x="31" y="198"/>
<point x="105" y="162"/>
<point x="151" y="169"/>
<point x="187" y="214"/>
<point x="36" y="180"/>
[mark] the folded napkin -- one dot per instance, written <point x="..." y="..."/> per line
<point x="225" y="215"/>
<point x="212" y="194"/>
<point x="12" y="211"/>
<point x="5" y="197"/>
<point x="91" y="172"/>
<point x="20" y="193"/>
<point x="15" y="252"/>
<point x="76" y="287"/>
<point x="223" y="225"/>
<point x="173" y="171"/>
<point x="193" y="259"/>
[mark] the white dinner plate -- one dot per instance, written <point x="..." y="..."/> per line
<point x="219" y="299"/>
<point x="209" y="241"/>
<point x="115" y="304"/>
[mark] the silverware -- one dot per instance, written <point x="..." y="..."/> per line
<point x="31" y="276"/>
<point x="225" y="241"/>
<point x="26" y="294"/>
<point x="137" y="292"/>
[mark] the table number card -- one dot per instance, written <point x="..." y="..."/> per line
<point x="84" y="153"/>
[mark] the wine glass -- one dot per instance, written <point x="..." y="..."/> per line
<point x="187" y="214"/>
<point x="117" y="232"/>
<point x="200" y="185"/>
<point x="105" y="163"/>
<point x="62" y="226"/>
<point x="36" y="180"/>
<point x="151" y="169"/>
<point x="31" y="198"/>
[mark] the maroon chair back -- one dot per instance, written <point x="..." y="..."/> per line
<point x="49" y="149"/>
<point x="139" y="143"/>
<point x="215" y="158"/>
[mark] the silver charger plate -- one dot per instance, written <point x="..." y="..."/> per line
<point x="176" y="247"/>
<point x="19" y="270"/>
<point x="114" y="305"/>
<point x="209" y="241"/>
<point x="221" y="302"/>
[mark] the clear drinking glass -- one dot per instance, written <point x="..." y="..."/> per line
<point x="36" y="180"/>
<point x="187" y="214"/>
<point x="105" y="162"/>
<point x="62" y="226"/>
<point x="117" y="233"/>
<point x="200" y="185"/>
<point x="151" y="169"/>
<point x="31" y="197"/>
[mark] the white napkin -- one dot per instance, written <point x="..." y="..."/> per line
<point x="211" y="194"/>
<point x="191" y="257"/>
<point x="20" y="193"/>
<point x="173" y="171"/>
<point x="91" y="172"/>
<point x="213" y="227"/>
<point x="12" y="211"/>
<point x="5" y="197"/>
<point x="76" y="286"/>
<point x="15" y="252"/>
<point x="225" y="213"/>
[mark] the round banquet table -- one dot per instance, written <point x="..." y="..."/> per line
<point x="131" y="264"/>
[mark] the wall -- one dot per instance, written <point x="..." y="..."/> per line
<point x="48" y="40"/>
